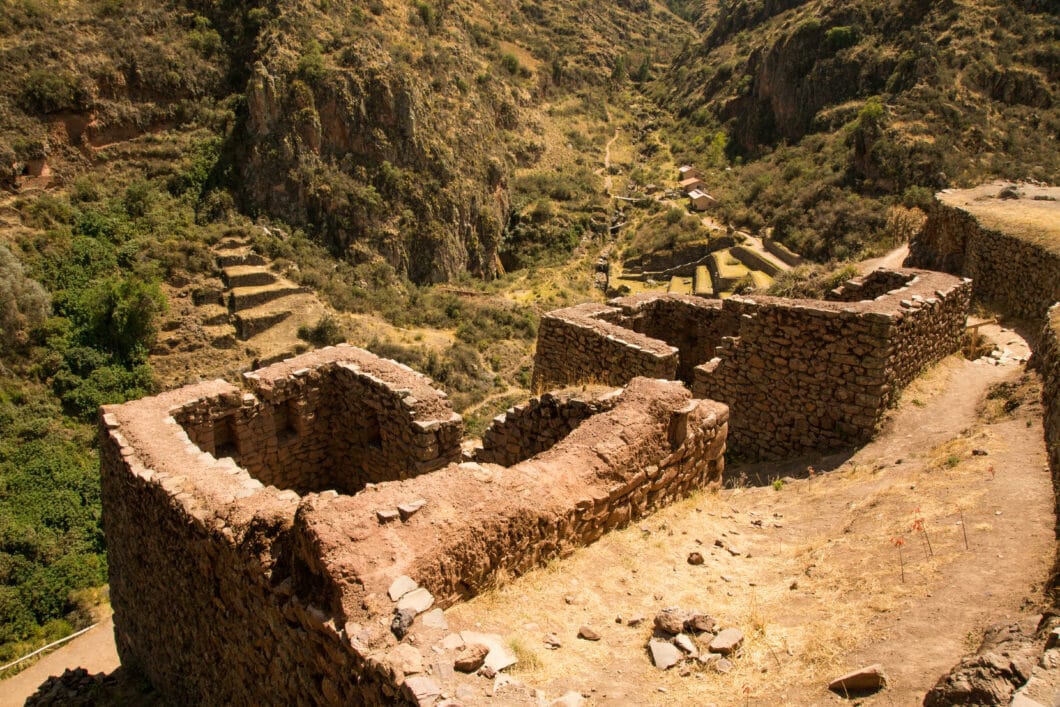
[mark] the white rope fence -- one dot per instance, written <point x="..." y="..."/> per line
<point x="49" y="646"/>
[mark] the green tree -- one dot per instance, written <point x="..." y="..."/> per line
<point x="118" y="315"/>
<point x="643" y="71"/>
<point x="24" y="303"/>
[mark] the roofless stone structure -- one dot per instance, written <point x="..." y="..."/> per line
<point x="264" y="543"/>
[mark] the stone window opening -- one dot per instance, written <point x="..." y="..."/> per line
<point x="285" y="418"/>
<point x="225" y="440"/>
<point x="373" y="436"/>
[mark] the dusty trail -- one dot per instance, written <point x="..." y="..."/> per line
<point x="894" y="259"/>
<point x="94" y="651"/>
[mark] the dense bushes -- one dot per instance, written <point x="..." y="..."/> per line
<point x="106" y="301"/>
<point x="24" y="304"/>
<point x="49" y="91"/>
<point x="51" y="542"/>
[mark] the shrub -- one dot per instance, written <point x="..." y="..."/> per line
<point x="118" y="315"/>
<point x="24" y="304"/>
<point x="326" y="332"/>
<point x="510" y="63"/>
<point x="840" y="38"/>
<point x="50" y="91"/>
<point x="311" y="66"/>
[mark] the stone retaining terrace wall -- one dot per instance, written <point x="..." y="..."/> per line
<point x="799" y="375"/>
<point x="1017" y="274"/>
<point x="230" y="591"/>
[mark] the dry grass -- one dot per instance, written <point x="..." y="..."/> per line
<point x="1027" y="218"/>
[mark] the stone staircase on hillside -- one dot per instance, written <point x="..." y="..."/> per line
<point x="249" y="305"/>
<point x="264" y="306"/>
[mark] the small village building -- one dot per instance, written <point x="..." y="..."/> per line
<point x="686" y="172"/>
<point x="701" y="201"/>
<point x="691" y="184"/>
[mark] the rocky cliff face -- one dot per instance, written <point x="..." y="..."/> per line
<point x="363" y="158"/>
<point x="771" y="68"/>
<point x="832" y="113"/>
<point x="394" y="132"/>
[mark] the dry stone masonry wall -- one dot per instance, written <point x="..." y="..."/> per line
<point x="1006" y="237"/>
<point x="577" y="345"/>
<point x="231" y="590"/>
<point x="335" y="419"/>
<point x="1048" y="361"/>
<point x="536" y="425"/>
<point x="1011" y="248"/>
<point x="798" y="375"/>
<point x="809" y="375"/>
<point x="1018" y="273"/>
<point x="694" y="325"/>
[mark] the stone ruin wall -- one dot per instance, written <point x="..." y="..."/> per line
<point x="227" y="590"/>
<point x="338" y="425"/>
<point x="810" y="375"/>
<point x="798" y="375"/>
<point x="1020" y="277"/>
<point x="576" y="345"/>
<point x="538" y="424"/>
<point x="1048" y="355"/>
<point x="695" y="326"/>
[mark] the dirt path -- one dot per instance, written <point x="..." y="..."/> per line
<point x="606" y="171"/>
<point x="93" y="651"/>
<point x="817" y="587"/>
<point x="894" y="259"/>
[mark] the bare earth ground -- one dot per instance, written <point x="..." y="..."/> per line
<point x="93" y="651"/>
<point x="818" y="589"/>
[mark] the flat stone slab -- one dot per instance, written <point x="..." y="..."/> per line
<point x="407" y="658"/>
<point x="499" y="657"/>
<point x="422" y="690"/>
<point x="685" y="644"/>
<point x="867" y="679"/>
<point x="435" y="618"/>
<point x="418" y="600"/>
<point x="387" y="515"/>
<point x="407" y="510"/>
<point x="664" y="654"/>
<point x="727" y="641"/>
<point x="452" y="642"/>
<point x="1021" y="700"/>
<point x="400" y="587"/>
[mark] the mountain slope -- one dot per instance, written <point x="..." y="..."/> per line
<point x="842" y="109"/>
